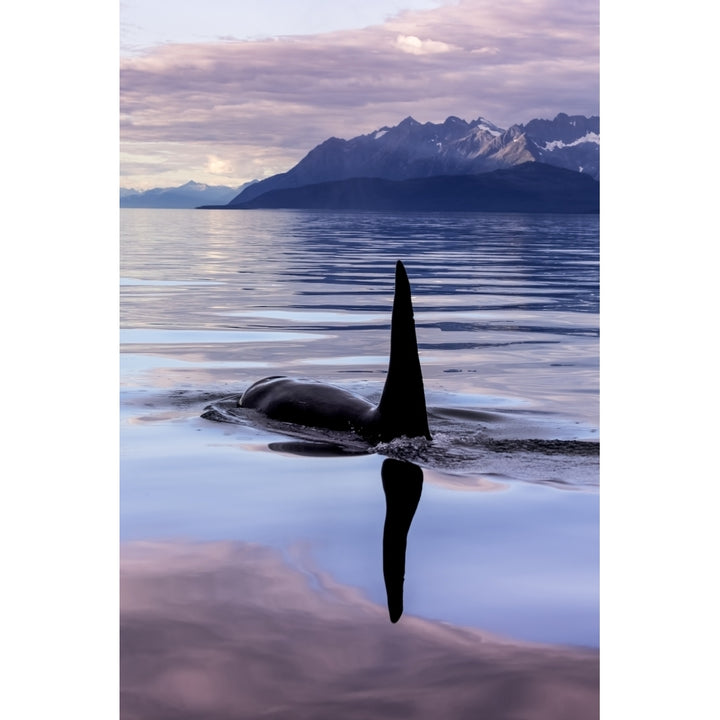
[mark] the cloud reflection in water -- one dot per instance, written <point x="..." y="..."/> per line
<point x="220" y="630"/>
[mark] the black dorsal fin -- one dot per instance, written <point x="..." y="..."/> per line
<point x="402" y="408"/>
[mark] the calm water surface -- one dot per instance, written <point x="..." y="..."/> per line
<point x="505" y="536"/>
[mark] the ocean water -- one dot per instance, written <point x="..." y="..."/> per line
<point x="504" y="539"/>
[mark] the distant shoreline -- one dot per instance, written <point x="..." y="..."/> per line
<point x="531" y="187"/>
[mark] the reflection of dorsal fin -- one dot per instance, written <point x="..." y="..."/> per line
<point x="402" y="483"/>
<point x="402" y="408"/>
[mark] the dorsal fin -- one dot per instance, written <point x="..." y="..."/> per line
<point x="402" y="408"/>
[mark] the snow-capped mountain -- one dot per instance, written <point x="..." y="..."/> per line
<point x="454" y="147"/>
<point x="571" y="142"/>
<point x="189" y="195"/>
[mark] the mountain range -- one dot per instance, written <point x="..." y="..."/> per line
<point x="544" y="165"/>
<point x="189" y="195"/>
<point x="412" y="150"/>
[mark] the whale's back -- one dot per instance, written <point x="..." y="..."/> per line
<point x="310" y="403"/>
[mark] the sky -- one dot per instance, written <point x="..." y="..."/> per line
<point x="224" y="92"/>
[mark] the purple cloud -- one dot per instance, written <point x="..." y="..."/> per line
<point x="508" y="63"/>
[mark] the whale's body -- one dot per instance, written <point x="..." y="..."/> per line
<point x="401" y="411"/>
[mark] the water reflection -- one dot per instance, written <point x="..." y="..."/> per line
<point x="232" y="630"/>
<point x="402" y="484"/>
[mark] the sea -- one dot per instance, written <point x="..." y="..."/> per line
<point x="505" y="535"/>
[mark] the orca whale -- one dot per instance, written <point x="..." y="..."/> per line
<point x="401" y="411"/>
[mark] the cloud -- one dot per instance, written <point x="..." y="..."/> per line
<point x="283" y="96"/>
<point x="218" y="166"/>
<point x="415" y="46"/>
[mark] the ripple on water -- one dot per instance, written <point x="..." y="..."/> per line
<point x="465" y="442"/>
